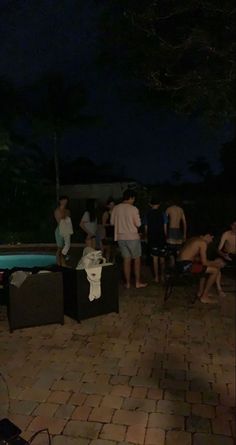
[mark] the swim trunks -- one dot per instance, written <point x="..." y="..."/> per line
<point x="191" y="267"/>
<point x="158" y="250"/>
<point x="175" y="236"/>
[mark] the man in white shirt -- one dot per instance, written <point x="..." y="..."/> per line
<point x="126" y="219"/>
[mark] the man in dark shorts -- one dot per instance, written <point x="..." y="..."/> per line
<point x="155" y="232"/>
<point x="193" y="258"/>
<point x="176" y="229"/>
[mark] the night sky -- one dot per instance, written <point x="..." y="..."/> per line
<point x="54" y="35"/>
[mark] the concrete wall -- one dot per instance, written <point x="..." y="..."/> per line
<point x="100" y="192"/>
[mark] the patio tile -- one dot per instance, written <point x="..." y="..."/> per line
<point x="87" y="430"/>
<point x="55" y="426"/>
<point x="154" y="374"/>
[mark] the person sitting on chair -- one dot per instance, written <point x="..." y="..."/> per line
<point x="227" y="246"/>
<point x="193" y="258"/>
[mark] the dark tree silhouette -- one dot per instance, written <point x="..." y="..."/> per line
<point x="200" y="167"/>
<point x="58" y="109"/>
<point x="182" y="52"/>
<point x="228" y="161"/>
<point x="177" y="176"/>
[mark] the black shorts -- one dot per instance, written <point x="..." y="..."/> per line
<point x="158" y="250"/>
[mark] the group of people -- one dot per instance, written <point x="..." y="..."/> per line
<point x="97" y="229"/>
<point x="165" y="231"/>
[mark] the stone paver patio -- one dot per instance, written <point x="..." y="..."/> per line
<point x="154" y="374"/>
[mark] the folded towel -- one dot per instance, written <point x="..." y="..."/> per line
<point x="17" y="278"/>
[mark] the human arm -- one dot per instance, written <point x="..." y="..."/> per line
<point x="83" y="224"/>
<point x="59" y="214"/>
<point x="112" y="219"/>
<point x="223" y="254"/>
<point x="165" y="220"/>
<point x="105" y="218"/>
<point x="137" y="219"/>
<point x="203" y="257"/>
<point x="184" y="222"/>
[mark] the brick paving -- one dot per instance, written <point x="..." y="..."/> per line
<point x="156" y="374"/>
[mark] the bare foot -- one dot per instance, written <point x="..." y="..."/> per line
<point x="141" y="285"/>
<point x="208" y="300"/>
<point x="221" y="294"/>
<point x="127" y="286"/>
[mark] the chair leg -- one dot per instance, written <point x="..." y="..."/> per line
<point x="169" y="288"/>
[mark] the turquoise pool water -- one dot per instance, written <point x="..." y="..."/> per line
<point x="9" y="261"/>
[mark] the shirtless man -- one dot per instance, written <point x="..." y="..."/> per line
<point x="227" y="246"/>
<point x="193" y="257"/>
<point x="175" y="229"/>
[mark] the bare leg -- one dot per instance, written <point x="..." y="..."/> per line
<point x="91" y="242"/>
<point x="137" y="272"/>
<point x="211" y="280"/>
<point x="127" y="271"/>
<point x="172" y="261"/>
<point x="108" y="253"/>
<point x="59" y="256"/>
<point x="162" y="269"/>
<point x="220" y="291"/>
<point x="202" y="283"/>
<point x="155" y="268"/>
<point x="66" y="247"/>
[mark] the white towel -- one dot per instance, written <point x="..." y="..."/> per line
<point x="65" y="226"/>
<point x="17" y="278"/>
<point x="90" y="258"/>
<point x="94" y="278"/>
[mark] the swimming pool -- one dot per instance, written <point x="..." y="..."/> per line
<point x="10" y="261"/>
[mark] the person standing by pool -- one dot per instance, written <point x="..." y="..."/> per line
<point x="126" y="220"/>
<point x="88" y="223"/>
<point x="155" y="232"/>
<point x="64" y="230"/>
<point x="108" y="239"/>
<point x="175" y="228"/>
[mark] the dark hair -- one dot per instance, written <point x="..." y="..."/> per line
<point x="174" y="199"/>
<point x="207" y="230"/>
<point x="62" y="198"/>
<point x="109" y="200"/>
<point x="155" y="200"/>
<point x="128" y="194"/>
<point x="91" y="209"/>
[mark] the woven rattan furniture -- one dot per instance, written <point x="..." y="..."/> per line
<point x="38" y="301"/>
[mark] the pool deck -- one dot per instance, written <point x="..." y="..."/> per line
<point x="154" y="374"/>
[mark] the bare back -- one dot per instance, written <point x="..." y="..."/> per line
<point x="176" y="215"/>
<point x="194" y="250"/>
<point x="228" y="242"/>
